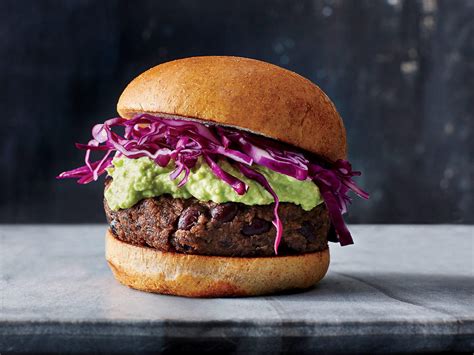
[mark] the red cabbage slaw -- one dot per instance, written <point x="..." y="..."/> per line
<point x="184" y="141"/>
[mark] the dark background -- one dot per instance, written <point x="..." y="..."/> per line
<point x="400" y="72"/>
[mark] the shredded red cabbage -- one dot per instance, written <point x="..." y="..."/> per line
<point x="254" y="175"/>
<point x="183" y="141"/>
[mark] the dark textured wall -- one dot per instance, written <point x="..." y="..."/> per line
<point x="400" y="72"/>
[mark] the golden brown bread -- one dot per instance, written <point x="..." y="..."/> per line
<point x="244" y="93"/>
<point x="151" y="270"/>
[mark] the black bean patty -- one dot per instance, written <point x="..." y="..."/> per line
<point x="231" y="229"/>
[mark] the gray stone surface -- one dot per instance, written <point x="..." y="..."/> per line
<point x="399" y="288"/>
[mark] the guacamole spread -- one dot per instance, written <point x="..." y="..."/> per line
<point x="136" y="179"/>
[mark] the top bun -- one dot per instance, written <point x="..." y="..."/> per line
<point x="240" y="92"/>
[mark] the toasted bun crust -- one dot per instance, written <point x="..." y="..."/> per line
<point x="241" y="92"/>
<point x="150" y="270"/>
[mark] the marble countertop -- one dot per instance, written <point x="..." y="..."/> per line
<point x="398" y="289"/>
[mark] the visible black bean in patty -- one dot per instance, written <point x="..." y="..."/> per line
<point x="256" y="227"/>
<point x="224" y="212"/>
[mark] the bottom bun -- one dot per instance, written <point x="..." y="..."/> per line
<point x="189" y="275"/>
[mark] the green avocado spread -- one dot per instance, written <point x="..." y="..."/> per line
<point x="136" y="179"/>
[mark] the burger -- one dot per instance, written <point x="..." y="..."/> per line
<point x="226" y="176"/>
